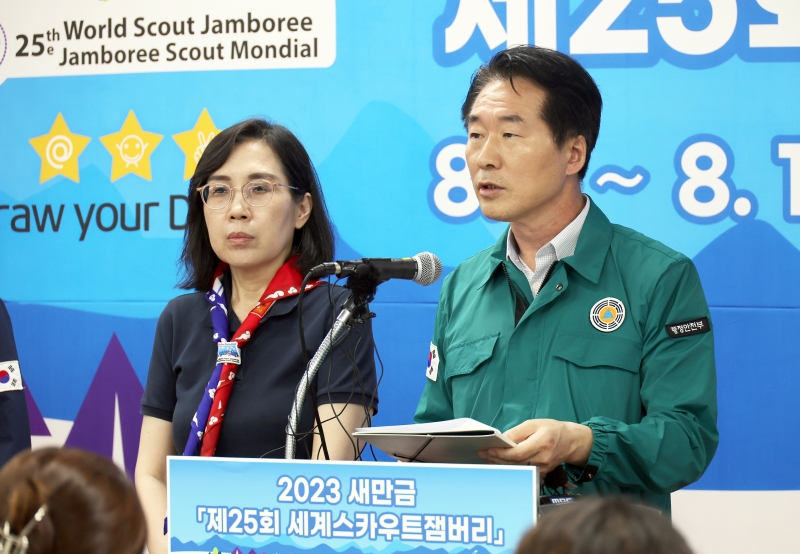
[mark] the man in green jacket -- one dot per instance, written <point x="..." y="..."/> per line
<point x="588" y="343"/>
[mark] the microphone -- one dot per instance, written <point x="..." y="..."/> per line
<point x="424" y="268"/>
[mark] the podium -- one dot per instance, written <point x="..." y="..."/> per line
<point x="254" y="506"/>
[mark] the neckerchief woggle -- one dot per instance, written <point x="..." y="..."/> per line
<point x="211" y="411"/>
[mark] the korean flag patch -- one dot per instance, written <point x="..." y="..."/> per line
<point x="10" y="377"/>
<point x="432" y="372"/>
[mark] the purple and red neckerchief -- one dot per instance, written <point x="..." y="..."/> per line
<point x="211" y="411"/>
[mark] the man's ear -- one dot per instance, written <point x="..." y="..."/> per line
<point x="575" y="148"/>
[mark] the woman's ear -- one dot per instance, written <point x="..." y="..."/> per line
<point x="304" y="208"/>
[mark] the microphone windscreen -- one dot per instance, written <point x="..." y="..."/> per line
<point x="429" y="268"/>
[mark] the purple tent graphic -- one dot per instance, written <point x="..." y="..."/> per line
<point x="115" y="389"/>
<point x="37" y="423"/>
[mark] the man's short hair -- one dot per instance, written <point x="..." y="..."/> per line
<point x="572" y="102"/>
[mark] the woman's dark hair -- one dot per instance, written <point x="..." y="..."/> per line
<point x="572" y="102"/>
<point x="313" y="242"/>
<point x="92" y="507"/>
<point x="610" y="525"/>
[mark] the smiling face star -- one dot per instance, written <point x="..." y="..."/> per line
<point x="131" y="149"/>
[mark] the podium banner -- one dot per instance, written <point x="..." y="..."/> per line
<point x="244" y="506"/>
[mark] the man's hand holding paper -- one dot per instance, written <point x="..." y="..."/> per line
<point x="545" y="443"/>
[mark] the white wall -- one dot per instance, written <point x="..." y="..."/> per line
<point x="732" y="522"/>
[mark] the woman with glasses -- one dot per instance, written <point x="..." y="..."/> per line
<point x="227" y="358"/>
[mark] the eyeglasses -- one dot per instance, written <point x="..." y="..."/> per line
<point x="217" y="195"/>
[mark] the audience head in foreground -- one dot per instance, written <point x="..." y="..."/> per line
<point x="603" y="525"/>
<point x="67" y="501"/>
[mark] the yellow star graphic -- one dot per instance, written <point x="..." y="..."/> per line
<point x="59" y="150"/>
<point x="194" y="141"/>
<point x="130" y="149"/>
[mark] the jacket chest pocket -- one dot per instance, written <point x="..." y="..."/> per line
<point x="463" y="374"/>
<point x="601" y="372"/>
<point x="592" y="351"/>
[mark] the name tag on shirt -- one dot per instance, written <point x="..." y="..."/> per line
<point x="10" y="376"/>
<point x="228" y="353"/>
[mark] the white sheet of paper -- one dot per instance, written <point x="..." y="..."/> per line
<point x="452" y="441"/>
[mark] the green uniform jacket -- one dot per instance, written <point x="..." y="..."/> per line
<point x="649" y="399"/>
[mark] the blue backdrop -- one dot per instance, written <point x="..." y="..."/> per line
<point x="699" y="148"/>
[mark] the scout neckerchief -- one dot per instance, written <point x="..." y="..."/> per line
<point x="211" y="411"/>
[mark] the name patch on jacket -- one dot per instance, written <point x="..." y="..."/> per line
<point x="10" y="377"/>
<point x="432" y="371"/>
<point x="686" y="328"/>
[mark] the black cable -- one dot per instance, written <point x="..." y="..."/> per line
<point x="357" y="379"/>
<point x="377" y="384"/>
<point x="300" y="436"/>
<point x="330" y="366"/>
<point x="364" y="289"/>
<point x="320" y="422"/>
<point x="367" y="407"/>
<point x="300" y="318"/>
<point x="352" y="359"/>
<point x="380" y="378"/>
<point x="305" y="365"/>
<point x="332" y="304"/>
<point x="351" y="353"/>
<point x="372" y="451"/>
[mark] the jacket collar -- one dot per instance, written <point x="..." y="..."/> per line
<point x="497" y="256"/>
<point x="590" y="252"/>
<point x="593" y="244"/>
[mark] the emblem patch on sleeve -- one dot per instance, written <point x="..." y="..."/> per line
<point x="432" y="372"/>
<point x="10" y="377"/>
<point x="686" y="328"/>
<point x="607" y="315"/>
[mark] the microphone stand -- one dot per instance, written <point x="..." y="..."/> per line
<point x="363" y="288"/>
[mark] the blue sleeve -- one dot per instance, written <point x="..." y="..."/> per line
<point x="15" y="433"/>
<point x="348" y="375"/>
<point x="160" y="394"/>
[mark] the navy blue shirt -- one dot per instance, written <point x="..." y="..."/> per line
<point x="184" y="355"/>
<point x="15" y="433"/>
